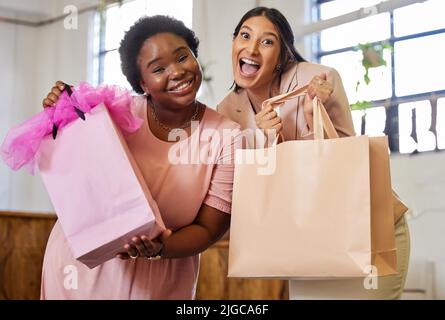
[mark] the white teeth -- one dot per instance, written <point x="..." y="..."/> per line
<point x="248" y="61"/>
<point x="182" y="86"/>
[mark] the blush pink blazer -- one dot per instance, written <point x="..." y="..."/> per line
<point x="237" y="107"/>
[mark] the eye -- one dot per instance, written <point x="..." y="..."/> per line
<point x="158" y="70"/>
<point x="268" y="42"/>
<point x="183" y="58"/>
<point x="245" y="35"/>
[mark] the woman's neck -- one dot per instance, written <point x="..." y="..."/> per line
<point x="173" y="117"/>
<point x="258" y="95"/>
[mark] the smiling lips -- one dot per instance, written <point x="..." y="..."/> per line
<point x="248" y="67"/>
<point x="182" y="87"/>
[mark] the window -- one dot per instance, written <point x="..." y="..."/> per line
<point x="118" y="19"/>
<point x="408" y="94"/>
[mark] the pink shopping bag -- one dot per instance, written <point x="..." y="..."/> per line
<point x="94" y="184"/>
<point x="96" y="188"/>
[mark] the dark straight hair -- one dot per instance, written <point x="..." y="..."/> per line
<point x="288" y="53"/>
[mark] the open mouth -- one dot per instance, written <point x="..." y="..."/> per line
<point x="249" y="67"/>
<point x="182" y="86"/>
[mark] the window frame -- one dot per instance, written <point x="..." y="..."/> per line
<point x="391" y="104"/>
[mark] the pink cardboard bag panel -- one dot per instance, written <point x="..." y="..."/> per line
<point x="96" y="188"/>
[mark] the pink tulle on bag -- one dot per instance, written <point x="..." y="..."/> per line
<point x="22" y="142"/>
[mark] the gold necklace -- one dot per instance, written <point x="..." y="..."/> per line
<point x="183" y="126"/>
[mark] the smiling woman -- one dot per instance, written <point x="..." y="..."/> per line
<point x="265" y="64"/>
<point x="159" y="61"/>
<point x="170" y="77"/>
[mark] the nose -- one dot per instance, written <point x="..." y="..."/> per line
<point x="177" y="71"/>
<point x="252" y="47"/>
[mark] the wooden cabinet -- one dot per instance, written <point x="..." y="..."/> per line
<point x="23" y="239"/>
<point x="214" y="284"/>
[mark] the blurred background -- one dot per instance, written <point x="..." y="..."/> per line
<point x="389" y="54"/>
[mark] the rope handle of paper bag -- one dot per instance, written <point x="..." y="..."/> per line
<point x="322" y="121"/>
<point x="321" y="118"/>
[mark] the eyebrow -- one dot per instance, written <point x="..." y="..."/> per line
<point x="159" y="58"/>
<point x="267" y="32"/>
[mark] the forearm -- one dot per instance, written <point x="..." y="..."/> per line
<point x="190" y="240"/>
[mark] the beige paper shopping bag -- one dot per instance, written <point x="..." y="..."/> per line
<point x="385" y="205"/>
<point x="383" y="252"/>
<point x="310" y="216"/>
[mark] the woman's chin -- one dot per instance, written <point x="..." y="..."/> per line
<point x="245" y="83"/>
<point x="185" y="101"/>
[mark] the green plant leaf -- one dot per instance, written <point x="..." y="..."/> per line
<point x="361" y="105"/>
<point x="366" y="77"/>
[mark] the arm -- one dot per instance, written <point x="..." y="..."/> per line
<point x="329" y="89"/>
<point x="208" y="227"/>
<point x="338" y="107"/>
<point x="212" y="220"/>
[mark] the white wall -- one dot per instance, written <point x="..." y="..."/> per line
<point x="420" y="181"/>
<point x="31" y="60"/>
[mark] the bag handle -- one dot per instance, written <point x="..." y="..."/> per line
<point x="322" y="121"/>
<point x="279" y="100"/>
<point x="321" y="117"/>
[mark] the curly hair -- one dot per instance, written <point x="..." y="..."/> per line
<point x="143" y="29"/>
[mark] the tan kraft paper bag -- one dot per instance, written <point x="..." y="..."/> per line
<point x="325" y="211"/>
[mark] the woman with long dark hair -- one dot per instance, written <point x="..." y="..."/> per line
<point x="265" y="63"/>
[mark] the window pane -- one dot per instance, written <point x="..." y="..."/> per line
<point x="339" y="7"/>
<point x="419" y="64"/>
<point x="357" y="121"/>
<point x="425" y="138"/>
<point x="121" y="18"/>
<point x="112" y="70"/>
<point x="440" y="123"/>
<point x="348" y="64"/>
<point x="375" y="121"/>
<point x="370" y="29"/>
<point x="427" y="16"/>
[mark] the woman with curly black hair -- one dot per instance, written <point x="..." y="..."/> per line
<point x="158" y="57"/>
